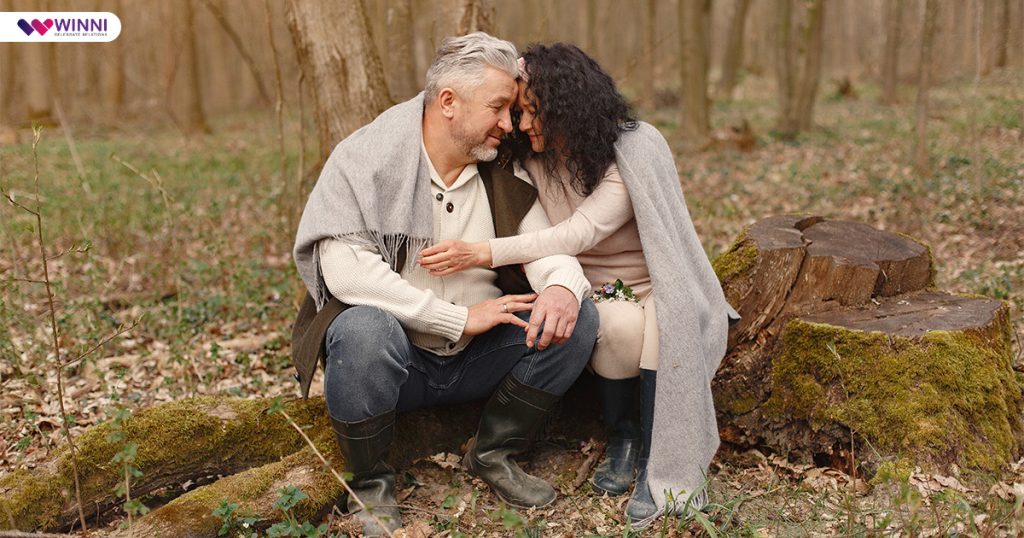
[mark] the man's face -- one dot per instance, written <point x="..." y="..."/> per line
<point x="483" y="115"/>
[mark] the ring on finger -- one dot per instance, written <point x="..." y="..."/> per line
<point x="504" y="307"/>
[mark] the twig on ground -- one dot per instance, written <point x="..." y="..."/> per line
<point x="584" y="469"/>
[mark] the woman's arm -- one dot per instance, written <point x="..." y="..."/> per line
<point x="606" y="210"/>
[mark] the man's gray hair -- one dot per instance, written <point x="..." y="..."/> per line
<point x="461" y="61"/>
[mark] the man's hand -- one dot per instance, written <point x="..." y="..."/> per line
<point x="488" y="314"/>
<point x="557" y="309"/>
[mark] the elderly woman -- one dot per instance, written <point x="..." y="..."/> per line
<point x="610" y="184"/>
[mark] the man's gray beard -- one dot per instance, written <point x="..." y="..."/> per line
<point x="479" y="152"/>
<point x="483" y="153"/>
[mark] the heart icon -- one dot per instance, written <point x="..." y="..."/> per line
<point x="42" y="27"/>
<point x="25" y="27"/>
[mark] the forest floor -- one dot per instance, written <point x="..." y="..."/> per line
<point x="190" y="237"/>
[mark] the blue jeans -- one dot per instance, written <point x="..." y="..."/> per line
<point x="372" y="368"/>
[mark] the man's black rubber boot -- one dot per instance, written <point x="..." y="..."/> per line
<point x="512" y="419"/>
<point x="641" y="504"/>
<point x="620" y="411"/>
<point x="364" y="445"/>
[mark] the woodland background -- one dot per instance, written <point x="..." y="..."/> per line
<point x="172" y="165"/>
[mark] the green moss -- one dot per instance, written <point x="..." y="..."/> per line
<point x="255" y="491"/>
<point x="737" y="259"/>
<point x="947" y="397"/>
<point x="897" y="470"/>
<point x="177" y="441"/>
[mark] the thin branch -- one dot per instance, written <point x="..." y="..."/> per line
<point x="343" y="482"/>
<point x="236" y="40"/>
<point x="36" y="135"/>
<point x="121" y="329"/>
<point x="156" y="182"/>
<point x="69" y="138"/>
<point x="16" y="203"/>
<point x="81" y="249"/>
<point x="28" y="280"/>
<point x="285" y="210"/>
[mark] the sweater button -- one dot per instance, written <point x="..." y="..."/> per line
<point x="450" y="207"/>
<point x="439" y="197"/>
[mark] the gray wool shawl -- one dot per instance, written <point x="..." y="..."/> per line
<point x="693" y="321"/>
<point x="373" y="190"/>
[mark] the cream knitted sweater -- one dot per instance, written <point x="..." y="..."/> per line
<point x="433" y="310"/>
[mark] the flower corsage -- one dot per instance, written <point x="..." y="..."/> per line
<point x="614" y="291"/>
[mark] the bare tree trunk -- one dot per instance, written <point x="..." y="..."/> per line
<point x="891" y="56"/>
<point x="38" y="84"/>
<point x="785" y="71"/>
<point x="1002" y="34"/>
<point x="236" y="40"/>
<point x="650" y="35"/>
<point x="195" y="118"/>
<point x="476" y="16"/>
<point x="798" y="85"/>
<point x="694" y="21"/>
<point x="807" y="90"/>
<point x="402" y="78"/>
<point x="113" y="75"/>
<point x="923" y="83"/>
<point x="590" y="27"/>
<point x="733" y="50"/>
<point x="340" y="64"/>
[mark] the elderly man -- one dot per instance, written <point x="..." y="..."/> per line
<point x="395" y="337"/>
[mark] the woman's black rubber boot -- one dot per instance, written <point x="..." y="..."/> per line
<point x="619" y="400"/>
<point x="641" y="504"/>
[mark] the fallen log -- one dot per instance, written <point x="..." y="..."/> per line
<point x="178" y="442"/>
<point x="843" y="354"/>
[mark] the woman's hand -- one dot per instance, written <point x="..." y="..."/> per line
<point x="449" y="257"/>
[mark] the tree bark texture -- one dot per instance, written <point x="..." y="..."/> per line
<point x="734" y="49"/>
<point x="798" y="66"/>
<point x="650" y="36"/>
<point x="891" y="54"/>
<point x="340" y="64"/>
<point x="924" y="75"/>
<point x="476" y="16"/>
<point x="195" y="117"/>
<point x="693" y="23"/>
<point x="403" y="80"/>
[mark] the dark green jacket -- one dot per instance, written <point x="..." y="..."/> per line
<point x="510" y="199"/>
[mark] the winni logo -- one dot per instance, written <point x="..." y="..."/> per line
<point x="35" y="26"/>
<point x="59" y="26"/>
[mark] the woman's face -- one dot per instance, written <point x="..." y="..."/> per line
<point x="529" y="123"/>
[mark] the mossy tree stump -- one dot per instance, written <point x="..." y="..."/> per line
<point x="843" y="347"/>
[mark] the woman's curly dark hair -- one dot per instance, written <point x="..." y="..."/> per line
<point x="580" y="108"/>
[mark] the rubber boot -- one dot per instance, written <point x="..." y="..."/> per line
<point x="641" y="504"/>
<point x="512" y="419"/>
<point x="621" y="414"/>
<point x="364" y="445"/>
